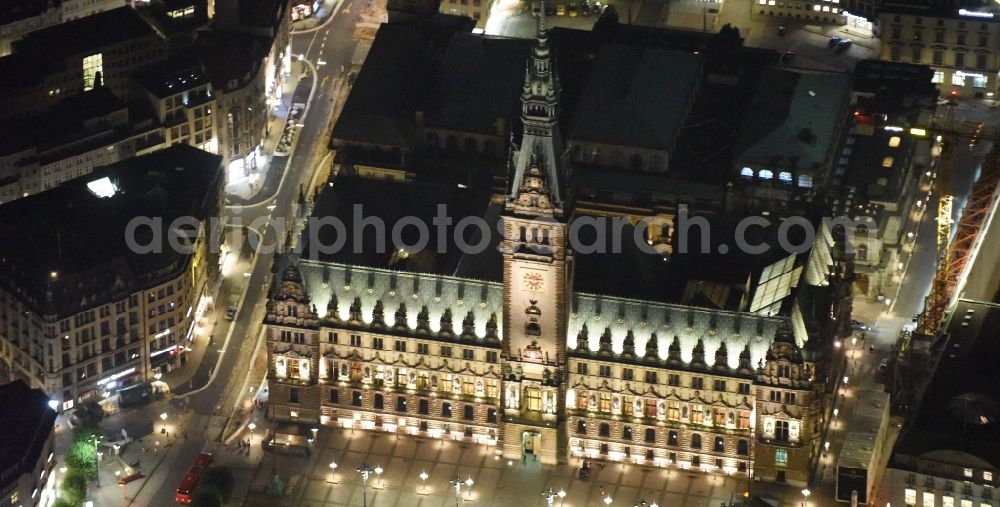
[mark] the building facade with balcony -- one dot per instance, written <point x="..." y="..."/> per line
<point x="959" y="44"/>
<point x="83" y="312"/>
<point x="525" y="363"/>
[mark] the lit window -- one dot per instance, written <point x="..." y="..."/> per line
<point x="967" y="472"/>
<point x="938" y="77"/>
<point x="816" y="8"/>
<point x="887" y="162"/>
<point x="781" y="457"/>
<point x="987" y="476"/>
<point x="92" y="65"/>
<point x="958" y="79"/>
<point x="805" y="181"/>
<point x="785" y="177"/>
<point x="910" y="496"/>
<point x="770" y="2"/>
<point x="947" y="501"/>
<point x="894" y="142"/>
<point x="765" y="174"/>
<point x="826" y="8"/>
<point x="965" y="503"/>
<point x="834" y="10"/>
<point x="746" y="172"/>
<point x="928" y="498"/>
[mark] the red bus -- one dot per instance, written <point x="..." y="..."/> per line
<point x="185" y="490"/>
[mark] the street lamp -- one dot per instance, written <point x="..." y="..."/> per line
<point x="378" y="473"/>
<point x="607" y="500"/>
<point x="252" y="426"/>
<point x="97" y="455"/>
<point x="805" y="495"/>
<point x="333" y="471"/>
<point x="468" y="484"/>
<point x="550" y="496"/>
<point x="423" y="477"/>
<point x="457" y="482"/>
<point x="163" y="417"/>
<point x="365" y="471"/>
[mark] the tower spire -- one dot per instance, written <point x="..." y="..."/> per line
<point x="541" y="143"/>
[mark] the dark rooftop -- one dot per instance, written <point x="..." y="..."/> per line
<point x="879" y="164"/>
<point x="960" y="410"/>
<point x="80" y="236"/>
<point x="65" y="119"/>
<point x="86" y="34"/>
<point x="182" y="71"/>
<point x="229" y="55"/>
<point x="635" y="97"/>
<point x="12" y="11"/>
<point x="27" y="422"/>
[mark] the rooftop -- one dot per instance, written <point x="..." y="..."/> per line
<point x="12" y="11"/>
<point x="635" y="97"/>
<point x="879" y="163"/>
<point x="27" y="422"/>
<point x="86" y="34"/>
<point x="960" y="410"/>
<point x="70" y="241"/>
<point x="793" y="119"/>
<point x="229" y="55"/>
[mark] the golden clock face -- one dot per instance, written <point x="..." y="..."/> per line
<point x="533" y="281"/>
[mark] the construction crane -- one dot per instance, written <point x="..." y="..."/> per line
<point x="951" y="255"/>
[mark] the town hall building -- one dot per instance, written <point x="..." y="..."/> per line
<point x="527" y="364"/>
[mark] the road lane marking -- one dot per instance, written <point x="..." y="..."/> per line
<point x="347" y="9"/>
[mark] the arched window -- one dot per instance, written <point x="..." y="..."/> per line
<point x="672" y="438"/>
<point x="650" y="435"/>
<point x="424" y="407"/>
<point x="356" y="398"/>
<point x="695" y="441"/>
<point x="401" y="403"/>
<point x="743" y="448"/>
<point x="862" y="252"/>
<point x="627" y="433"/>
<point x="765" y="174"/>
<point x="379" y="401"/>
<point x="581" y="426"/>
<point x="468" y="412"/>
<point x="604" y="430"/>
<point x="785" y="177"/>
<point x="747" y="173"/>
<point x="446" y="410"/>
<point x="720" y="444"/>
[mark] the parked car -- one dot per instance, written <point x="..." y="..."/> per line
<point x="787" y="56"/>
<point x="833" y="42"/>
<point x="782" y="30"/>
<point x="858" y="325"/>
<point x="843" y="45"/>
<point x="231" y="313"/>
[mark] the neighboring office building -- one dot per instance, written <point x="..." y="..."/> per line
<point x="183" y="103"/>
<point x="821" y="11"/>
<point x="76" y="9"/>
<point x="26" y="447"/>
<point x="791" y="140"/>
<point x="540" y="370"/>
<point x="79" y="312"/>
<point x="959" y="44"/>
<point x="104" y="49"/>
<point x="247" y="54"/>
<point x="859" y="464"/>
<point x="19" y="17"/>
<point x="948" y="453"/>
<point x="80" y="133"/>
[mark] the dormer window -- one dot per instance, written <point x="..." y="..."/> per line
<point x="784" y="371"/>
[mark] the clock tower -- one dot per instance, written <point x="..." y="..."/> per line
<point x="538" y="265"/>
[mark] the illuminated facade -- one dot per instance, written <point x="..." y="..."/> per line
<point x="93" y="328"/>
<point x="529" y="366"/>
<point x="960" y="46"/>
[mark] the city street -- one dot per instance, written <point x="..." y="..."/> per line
<point x="208" y="389"/>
